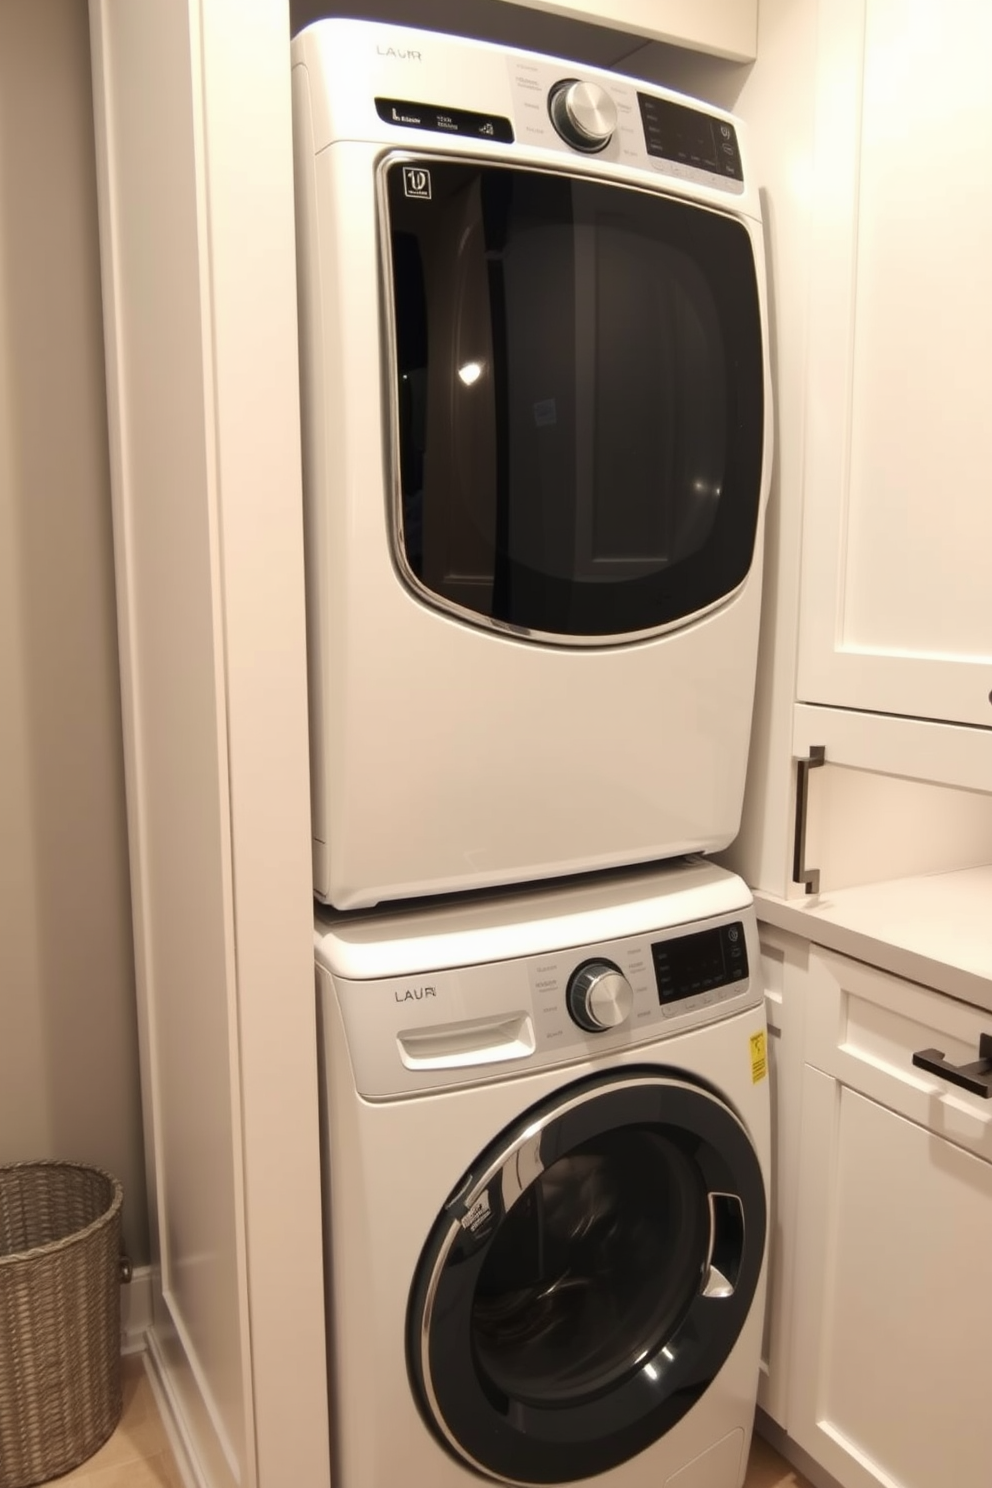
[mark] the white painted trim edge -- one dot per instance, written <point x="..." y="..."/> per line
<point x="138" y="1337"/>
<point x="170" y="1410"/>
<point x="783" y="1443"/>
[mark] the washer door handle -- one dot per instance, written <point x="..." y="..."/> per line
<point x="726" y="1247"/>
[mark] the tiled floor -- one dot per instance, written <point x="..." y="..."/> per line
<point x="138" y="1455"/>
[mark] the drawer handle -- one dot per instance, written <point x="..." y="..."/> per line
<point x="808" y="877"/>
<point x="976" y="1077"/>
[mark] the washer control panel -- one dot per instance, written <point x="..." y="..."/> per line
<point x="708" y="960"/>
<point x="638" y="986"/>
<point x="479" y="1020"/>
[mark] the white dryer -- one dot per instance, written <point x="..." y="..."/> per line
<point x="547" y="1162"/>
<point x="537" y="439"/>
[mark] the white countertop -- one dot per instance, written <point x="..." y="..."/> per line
<point x="935" y="929"/>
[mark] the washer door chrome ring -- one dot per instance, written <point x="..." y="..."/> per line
<point x="544" y="1437"/>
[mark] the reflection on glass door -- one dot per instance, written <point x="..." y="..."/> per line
<point x="575" y="1301"/>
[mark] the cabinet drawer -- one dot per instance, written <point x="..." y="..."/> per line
<point x="863" y="1027"/>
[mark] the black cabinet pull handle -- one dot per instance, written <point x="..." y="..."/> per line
<point x="976" y="1077"/>
<point x="808" y="877"/>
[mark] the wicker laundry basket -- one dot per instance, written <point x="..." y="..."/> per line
<point x="60" y="1343"/>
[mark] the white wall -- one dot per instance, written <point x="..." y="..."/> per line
<point x="68" y="1042"/>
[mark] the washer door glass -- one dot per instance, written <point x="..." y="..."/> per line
<point x="579" y="400"/>
<point x="577" y="1298"/>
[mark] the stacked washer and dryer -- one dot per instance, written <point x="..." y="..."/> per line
<point x="537" y="433"/>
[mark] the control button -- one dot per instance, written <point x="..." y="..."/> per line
<point x="599" y="996"/>
<point x="733" y="934"/>
<point x="584" y="114"/>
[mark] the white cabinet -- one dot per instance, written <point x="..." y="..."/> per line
<point x="895" y="608"/>
<point x="890" y="1375"/>
<point x="877" y="612"/>
<point x="726" y="28"/>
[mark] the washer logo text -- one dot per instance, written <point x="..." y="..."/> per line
<point x="415" y="994"/>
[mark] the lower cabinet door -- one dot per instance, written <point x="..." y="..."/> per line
<point x="891" y="1364"/>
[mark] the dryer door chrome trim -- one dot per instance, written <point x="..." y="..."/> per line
<point x="720" y="560"/>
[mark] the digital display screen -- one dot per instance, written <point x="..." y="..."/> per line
<point x="689" y="137"/>
<point x="689" y="965"/>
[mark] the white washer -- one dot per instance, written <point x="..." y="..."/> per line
<point x="536" y="453"/>
<point x="545" y="1240"/>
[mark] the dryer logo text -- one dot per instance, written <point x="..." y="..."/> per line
<point x="415" y="994"/>
<point x="399" y="54"/>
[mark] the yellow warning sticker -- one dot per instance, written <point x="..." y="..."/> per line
<point x="759" y="1057"/>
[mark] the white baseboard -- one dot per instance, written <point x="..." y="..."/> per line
<point x="793" y="1453"/>
<point x="172" y="1416"/>
<point x="138" y="1337"/>
<point x="136" y="1310"/>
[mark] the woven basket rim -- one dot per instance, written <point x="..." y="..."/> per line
<point x="18" y="1257"/>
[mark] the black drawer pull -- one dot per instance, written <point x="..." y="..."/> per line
<point x="976" y="1077"/>
<point x="808" y="877"/>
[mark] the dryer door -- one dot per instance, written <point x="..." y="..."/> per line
<point x="588" y="1279"/>
<point x="578" y="400"/>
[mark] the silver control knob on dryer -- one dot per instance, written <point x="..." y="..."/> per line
<point x="584" y="114"/>
<point x="599" y="996"/>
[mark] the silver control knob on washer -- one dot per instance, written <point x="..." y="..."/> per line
<point x="599" y="996"/>
<point x="584" y="114"/>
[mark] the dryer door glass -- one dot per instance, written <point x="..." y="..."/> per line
<point x="577" y="1299"/>
<point x="579" y="400"/>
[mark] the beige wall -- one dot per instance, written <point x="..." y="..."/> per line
<point x="68" y="1040"/>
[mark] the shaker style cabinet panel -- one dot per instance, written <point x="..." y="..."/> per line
<point x="726" y="28"/>
<point x="889" y="1370"/>
<point x="896" y="608"/>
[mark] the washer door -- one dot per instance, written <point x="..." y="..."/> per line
<point x="588" y="1279"/>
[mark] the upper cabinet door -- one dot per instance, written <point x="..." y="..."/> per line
<point x="896" y="607"/>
